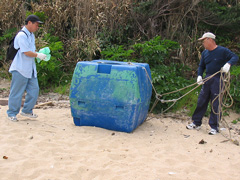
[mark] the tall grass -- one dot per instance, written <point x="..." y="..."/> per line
<point x="78" y="23"/>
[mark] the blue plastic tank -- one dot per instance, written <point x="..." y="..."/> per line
<point x="110" y="94"/>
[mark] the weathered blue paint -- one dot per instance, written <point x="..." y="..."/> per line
<point x="110" y="94"/>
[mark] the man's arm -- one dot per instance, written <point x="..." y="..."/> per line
<point x="233" y="58"/>
<point x="30" y="54"/>
<point x="34" y="54"/>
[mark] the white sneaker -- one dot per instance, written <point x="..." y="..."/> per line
<point x="13" y="119"/>
<point x="213" y="132"/>
<point x="30" y="115"/>
<point x="193" y="126"/>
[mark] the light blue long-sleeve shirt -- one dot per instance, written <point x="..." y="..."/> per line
<point x="25" y="65"/>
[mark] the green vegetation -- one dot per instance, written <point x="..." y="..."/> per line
<point x="50" y="72"/>
<point x="236" y="121"/>
<point x="235" y="87"/>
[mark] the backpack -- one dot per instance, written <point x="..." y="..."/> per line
<point x="11" y="51"/>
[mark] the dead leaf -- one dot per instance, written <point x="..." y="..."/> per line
<point x="236" y="142"/>
<point x="5" y="157"/>
<point x="202" y="142"/>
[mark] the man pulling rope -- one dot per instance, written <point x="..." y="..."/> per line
<point x="214" y="57"/>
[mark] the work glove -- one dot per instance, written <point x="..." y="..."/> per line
<point x="199" y="80"/>
<point x="226" y="67"/>
<point x="41" y="56"/>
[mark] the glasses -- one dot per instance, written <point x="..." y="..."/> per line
<point x="204" y="40"/>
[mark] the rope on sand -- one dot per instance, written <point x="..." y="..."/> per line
<point x="222" y="97"/>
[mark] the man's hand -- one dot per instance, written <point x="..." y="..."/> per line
<point x="41" y="56"/>
<point x="226" y="67"/>
<point x="199" y="80"/>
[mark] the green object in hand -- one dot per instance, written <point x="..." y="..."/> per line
<point x="46" y="51"/>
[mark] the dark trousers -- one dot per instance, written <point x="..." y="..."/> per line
<point x="209" y="91"/>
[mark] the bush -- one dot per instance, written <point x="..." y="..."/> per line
<point x="235" y="87"/>
<point x="117" y="53"/>
<point x="155" y="51"/>
<point x="4" y="41"/>
<point x="167" y="79"/>
<point x="167" y="76"/>
<point x="50" y="73"/>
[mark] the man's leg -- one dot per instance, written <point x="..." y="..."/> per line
<point x="31" y="96"/>
<point x="18" y="86"/>
<point x="215" y="116"/>
<point x="202" y="104"/>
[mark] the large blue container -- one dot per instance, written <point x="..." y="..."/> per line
<point x="110" y="94"/>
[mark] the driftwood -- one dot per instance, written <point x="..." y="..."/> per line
<point x="3" y="102"/>
<point x="45" y="104"/>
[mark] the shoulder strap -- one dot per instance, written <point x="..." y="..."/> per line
<point x="24" y="32"/>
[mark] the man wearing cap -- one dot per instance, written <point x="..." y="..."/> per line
<point x="213" y="58"/>
<point x="24" y="73"/>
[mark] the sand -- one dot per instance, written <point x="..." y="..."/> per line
<point x="51" y="147"/>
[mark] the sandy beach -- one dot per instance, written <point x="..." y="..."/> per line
<point x="51" y="147"/>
